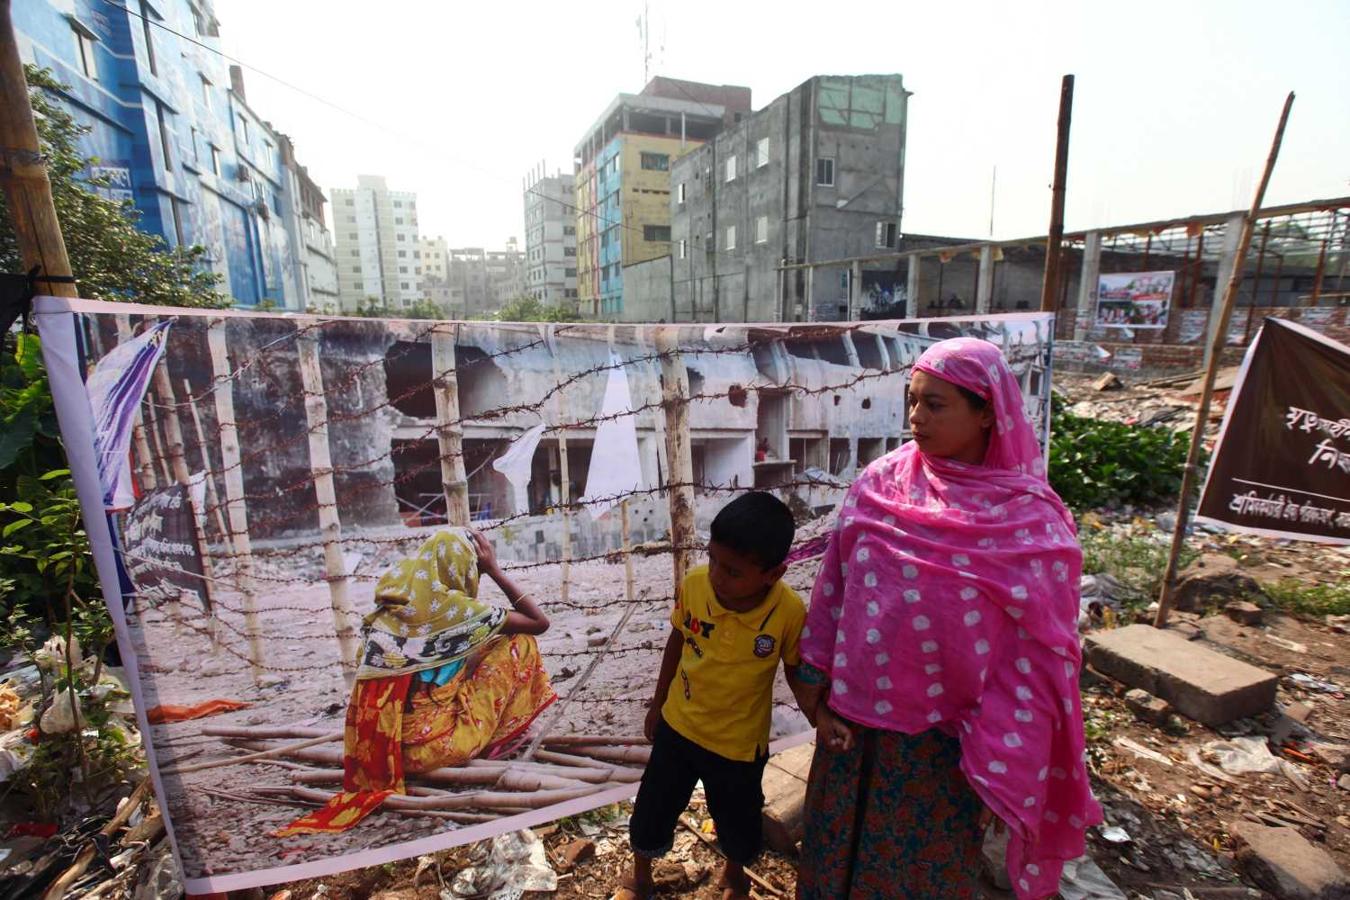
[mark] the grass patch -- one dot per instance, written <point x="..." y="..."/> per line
<point x="1313" y="600"/>
<point x="1136" y="558"/>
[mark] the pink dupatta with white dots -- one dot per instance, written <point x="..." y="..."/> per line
<point x="948" y="599"/>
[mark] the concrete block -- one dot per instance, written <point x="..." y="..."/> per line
<point x="1244" y="612"/>
<point x="1199" y="683"/>
<point x="1285" y="863"/>
<point x="1147" y="707"/>
<point x="785" y="798"/>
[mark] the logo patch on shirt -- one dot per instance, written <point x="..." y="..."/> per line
<point x="697" y="626"/>
<point x="764" y="644"/>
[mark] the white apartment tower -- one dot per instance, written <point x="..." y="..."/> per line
<point x="550" y="238"/>
<point x="377" y="249"/>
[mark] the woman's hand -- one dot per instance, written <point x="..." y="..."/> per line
<point x="832" y="732"/>
<point x="487" y="557"/>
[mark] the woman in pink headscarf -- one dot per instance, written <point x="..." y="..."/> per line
<point x="942" y="644"/>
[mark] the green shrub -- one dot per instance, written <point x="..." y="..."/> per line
<point x="1095" y="463"/>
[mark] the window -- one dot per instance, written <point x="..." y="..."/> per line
<point x="569" y="230"/>
<point x="196" y="158"/>
<point x="402" y="237"/>
<point x="403" y="270"/>
<point x="731" y="237"/>
<point x="398" y="204"/>
<point x="886" y="234"/>
<point x="164" y="135"/>
<point x="356" y="252"/>
<point x="177" y="221"/>
<point x="197" y="21"/>
<point x="403" y="253"/>
<point x="349" y="202"/>
<point x="149" y="40"/>
<point x="215" y="160"/>
<point x="684" y="249"/>
<point x="356" y="269"/>
<point x="656" y="232"/>
<point x="569" y="251"/>
<point x="84" y="43"/>
<point x="403" y="284"/>
<point x="762" y="153"/>
<point x="569" y="273"/>
<point x="762" y="230"/>
<point x="398" y="221"/>
<point x="731" y="167"/>
<point x="825" y="171"/>
<point x="679" y="192"/>
<point x="659" y="162"/>
<point x="243" y="130"/>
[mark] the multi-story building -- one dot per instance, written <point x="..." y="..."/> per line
<point x="172" y="130"/>
<point x="480" y="282"/>
<point x="317" y="271"/>
<point x="818" y="174"/>
<point x="551" y="238"/>
<point x="622" y="178"/>
<point x="378" y="260"/>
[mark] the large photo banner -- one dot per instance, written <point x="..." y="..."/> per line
<point x="1134" y="299"/>
<point x="1282" y="464"/>
<point x="294" y="500"/>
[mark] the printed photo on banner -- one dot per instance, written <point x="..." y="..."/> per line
<point x="399" y="585"/>
<point x="1282" y="464"/>
<point x="1134" y="299"/>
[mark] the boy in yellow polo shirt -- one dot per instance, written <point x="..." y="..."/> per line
<point x="709" y="721"/>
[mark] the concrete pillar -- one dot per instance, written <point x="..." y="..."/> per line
<point x="984" y="287"/>
<point x="912" y="287"/>
<point x="854" y="291"/>
<point x="1232" y="233"/>
<point x="1087" y="285"/>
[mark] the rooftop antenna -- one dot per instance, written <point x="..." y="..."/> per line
<point x="993" y="188"/>
<point x="644" y="32"/>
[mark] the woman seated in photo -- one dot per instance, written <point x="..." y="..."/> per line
<point x="444" y="677"/>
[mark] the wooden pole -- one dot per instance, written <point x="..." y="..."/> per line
<point x="564" y="467"/>
<point x="212" y="498"/>
<point x="330" y="524"/>
<point x="1217" y="337"/>
<point x="449" y="430"/>
<point x="1053" y="241"/>
<point x="679" y="450"/>
<point x="157" y="445"/>
<point x="234" y="488"/>
<point x="23" y="173"/>
<point x="173" y="431"/>
<point x="145" y="466"/>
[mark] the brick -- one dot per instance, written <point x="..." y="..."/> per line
<point x="1282" y="861"/>
<point x="1198" y="682"/>
<point x="1147" y="707"/>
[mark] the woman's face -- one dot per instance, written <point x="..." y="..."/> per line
<point x="944" y="423"/>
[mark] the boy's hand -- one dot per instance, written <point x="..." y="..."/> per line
<point x="832" y="732"/>
<point x="652" y="720"/>
<point x="482" y="547"/>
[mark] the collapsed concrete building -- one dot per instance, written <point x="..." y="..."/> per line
<point x="798" y="410"/>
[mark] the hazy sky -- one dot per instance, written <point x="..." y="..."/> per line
<point x="1174" y="106"/>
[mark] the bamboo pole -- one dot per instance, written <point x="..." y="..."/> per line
<point x="158" y="445"/>
<point x="23" y="173"/>
<point x="234" y="488"/>
<point x="596" y="740"/>
<point x="322" y="797"/>
<point x="325" y="494"/>
<point x="1054" y="241"/>
<point x="212" y="498"/>
<point x="173" y="432"/>
<point x="1217" y="338"/>
<point x="564" y="466"/>
<point x="621" y="773"/>
<point x="284" y="750"/>
<point x="58" y="888"/>
<point x="679" y="451"/>
<point x="449" y="431"/>
<point x="145" y="466"/>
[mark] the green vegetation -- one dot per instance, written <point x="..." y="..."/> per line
<point x="1095" y="463"/>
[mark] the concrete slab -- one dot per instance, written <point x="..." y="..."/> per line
<point x="1285" y="863"/>
<point x="785" y="797"/>
<point x="1198" y="682"/>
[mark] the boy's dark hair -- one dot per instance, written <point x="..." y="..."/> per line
<point x="758" y="525"/>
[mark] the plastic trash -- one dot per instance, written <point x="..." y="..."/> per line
<point x="61" y="716"/>
<point x="513" y="863"/>
<point x="1251" y="754"/>
<point x="1115" y="834"/>
<point x="1083" y="879"/>
<point x="161" y="878"/>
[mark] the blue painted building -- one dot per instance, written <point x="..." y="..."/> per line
<point x="172" y="130"/>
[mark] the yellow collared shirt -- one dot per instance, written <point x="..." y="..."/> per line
<point x="722" y="695"/>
